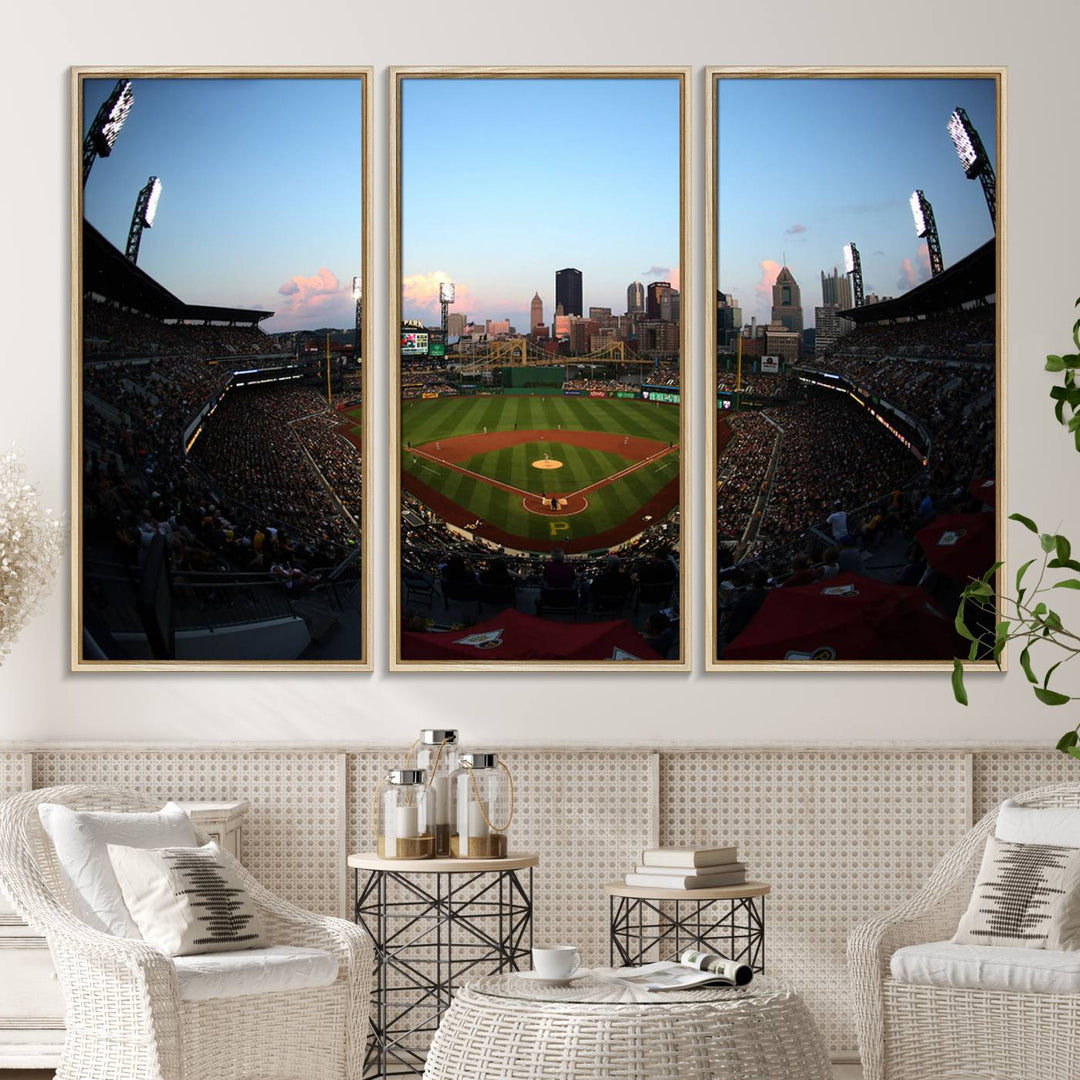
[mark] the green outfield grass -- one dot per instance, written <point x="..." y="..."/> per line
<point x="357" y="416"/>
<point x="425" y="422"/>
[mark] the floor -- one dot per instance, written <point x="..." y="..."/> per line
<point x="840" y="1072"/>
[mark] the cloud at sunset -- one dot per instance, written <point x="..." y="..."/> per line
<point x="914" y="272"/>
<point x="661" y="273"/>
<point x="420" y="296"/>
<point x="319" y="299"/>
<point x="770" y="269"/>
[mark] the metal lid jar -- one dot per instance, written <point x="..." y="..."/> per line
<point x="437" y="753"/>
<point x="405" y="809"/>
<point x="484" y="791"/>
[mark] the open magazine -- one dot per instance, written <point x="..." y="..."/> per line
<point x="692" y="970"/>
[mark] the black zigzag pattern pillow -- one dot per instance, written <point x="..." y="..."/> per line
<point x="187" y="900"/>
<point x="1025" y="895"/>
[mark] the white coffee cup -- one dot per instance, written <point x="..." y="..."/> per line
<point x="556" y="961"/>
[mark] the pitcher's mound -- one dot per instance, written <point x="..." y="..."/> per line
<point x="547" y="463"/>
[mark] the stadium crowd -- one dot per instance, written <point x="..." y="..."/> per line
<point x="756" y="385"/>
<point x="113" y="332"/>
<point x="844" y="489"/>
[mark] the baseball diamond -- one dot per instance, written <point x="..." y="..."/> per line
<point x="488" y="460"/>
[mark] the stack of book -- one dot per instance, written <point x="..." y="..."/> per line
<point x="694" y="867"/>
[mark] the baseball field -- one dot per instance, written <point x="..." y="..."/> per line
<point x="545" y="471"/>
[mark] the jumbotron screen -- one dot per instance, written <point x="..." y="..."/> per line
<point x="414" y="344"/>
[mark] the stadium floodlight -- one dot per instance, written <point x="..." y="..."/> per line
<point x="104" y="131"/>
<point x="358" y="328"/>
<point x="917" y="213"/>
<point x="853" y="266"/>
<point x="926" y="228"/>
<point x="143" y="216"/>
<point x="446" y="298"/>
<point x="973" y="156"/>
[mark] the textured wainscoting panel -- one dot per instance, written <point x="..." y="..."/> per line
<point x="1000" y="775"/>
<point x="290" y="839"/>
<point x="13" y="778"/>
<point x="840" y="835"/>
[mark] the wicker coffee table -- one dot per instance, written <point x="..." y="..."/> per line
<point x="503" y="1026"/>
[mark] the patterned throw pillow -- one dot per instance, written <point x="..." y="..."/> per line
<point x="1026" y="895"/>
<point x="186" y="900"/>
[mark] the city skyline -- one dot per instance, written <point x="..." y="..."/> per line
<point x="243" y="221"/>
<point x="851" y="153"/>
<point x="499" y="222"/>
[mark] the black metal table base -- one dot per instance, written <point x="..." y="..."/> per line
<point x="644" y="931"/>
<point x="426" y="942"/>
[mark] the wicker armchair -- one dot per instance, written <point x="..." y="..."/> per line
<point x="911" y="1032"/>
<point x="124" y="1016"/>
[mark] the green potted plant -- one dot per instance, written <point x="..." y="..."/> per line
<point x="990" y="622"/>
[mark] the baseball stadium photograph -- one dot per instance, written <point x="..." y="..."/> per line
<point x="220" y="232"/>
<point x="855" y="343"/>
<point x="539" y="391"/>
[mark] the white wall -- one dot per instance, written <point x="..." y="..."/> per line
<point x="40" y="699"/>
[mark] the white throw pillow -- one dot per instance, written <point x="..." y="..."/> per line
<point x="80" y="839"/>
<point x="187" y="900"/>
<point x="1057" y="825"/>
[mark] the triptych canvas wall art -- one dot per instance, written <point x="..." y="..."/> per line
<point x="539" y="368"/>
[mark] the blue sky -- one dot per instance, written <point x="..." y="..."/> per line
<point x="505" y="181"/>
<point x="806" y="165"/>
<point x="261" y="202"/>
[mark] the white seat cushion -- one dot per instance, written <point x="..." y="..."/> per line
<point x="253" y="971"/>
<point x="988" y="967"/>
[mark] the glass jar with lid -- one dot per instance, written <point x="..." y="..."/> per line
<point x="485" y="807"/>
<point x="437" y="754"/>
<point x="405" y="811"/>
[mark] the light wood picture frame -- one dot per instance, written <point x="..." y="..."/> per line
<point x="472" y="526"/>
<point x="847" y="129"/>
<point x="221" y="477"/>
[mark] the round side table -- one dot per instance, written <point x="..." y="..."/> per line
<point x="729" y="920"/>
<point x="594" y="1029"/>
<point x="431" y="922"/>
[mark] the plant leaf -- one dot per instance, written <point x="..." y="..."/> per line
<point x="1068" y="583"/>
<point x="1051" y="697"/>
<point x="1070" y="738"/>
<point x="958" y="682"/>
<point x="1025" y="663"/>
<point x="1025" y="521"/>
<point x="1064" y="548"/>
<point x="1022" y="571"/>
<point x="1048" y="541"/>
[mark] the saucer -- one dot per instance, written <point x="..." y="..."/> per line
<point x="546" y="980"/>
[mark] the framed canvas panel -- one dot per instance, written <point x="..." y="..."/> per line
<point x="539" y="387"/>
<point x="855" y="341"/>
<point x="221" y="258"/>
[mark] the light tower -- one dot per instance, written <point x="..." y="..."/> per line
<point x="101" y="137"/>
<point x="853" y="266"/>
<point x="974" y="158"/>
<point x="358" y="299"/>
<point x="926" y="229"/>
<point x="143" y="217"/>
<point x="446" y="298"/>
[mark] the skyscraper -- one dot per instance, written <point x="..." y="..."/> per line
<point x="568" y="290"/>
<point x="653" y="294"/>
<point x="635" y="298"/>
<point x="536" y="317"/>
<point x="787" y="301"/>
<point x="836" y="290"/>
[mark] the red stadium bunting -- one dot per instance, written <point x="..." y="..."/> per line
<point x="847" y="617"/>
<point x="512" y="635"/>
<point x="959" y="546"/>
